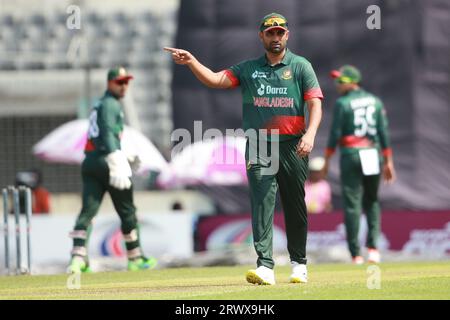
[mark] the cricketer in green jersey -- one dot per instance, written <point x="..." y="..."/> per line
<point x="107" y="169"/>
<point x="360" y="128"/>
<point x="275" y="89"/>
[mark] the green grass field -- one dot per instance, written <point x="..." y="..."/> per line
<point x="425" y="280"/>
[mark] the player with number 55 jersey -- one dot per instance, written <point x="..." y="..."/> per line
<point x="360" y="129"/>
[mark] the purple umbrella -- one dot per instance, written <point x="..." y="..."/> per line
<point x="219" y="161"/>
<point x="66" y="144"/>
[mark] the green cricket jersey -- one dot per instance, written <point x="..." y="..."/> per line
<point x="359" y="121"/>
<point x="106" y="124"/>
<point x="274" y="96"/>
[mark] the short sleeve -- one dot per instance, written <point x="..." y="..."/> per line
<point x="310" y="84"/>
<point x="234" y="73"/>
<point x="234" y="80"/>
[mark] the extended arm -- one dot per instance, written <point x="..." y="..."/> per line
<point x="218" y="80"/>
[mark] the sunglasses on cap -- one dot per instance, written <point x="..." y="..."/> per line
<point x="121" y="82"/>
<point x="345" y="79"/>
<point x="275" y="22"/>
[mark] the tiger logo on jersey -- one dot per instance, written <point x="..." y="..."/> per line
<point x="287" y="74"/>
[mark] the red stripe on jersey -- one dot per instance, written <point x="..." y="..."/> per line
<point x="355" y="142"/>
<point x="89" y="146"/>
<point x="230" y="75"/>
<point x="329" y="151"/>
<point x="313" y="93"/>
<point x="387" y="152"/>
<point x="293" y="125"/>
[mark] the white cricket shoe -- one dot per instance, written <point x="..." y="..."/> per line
<point x="358" y="260"/>
<point x="374" y="256"/>
<point x="262" y="275"/>
<point x="299" y="273"/>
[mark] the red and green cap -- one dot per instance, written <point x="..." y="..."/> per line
<point x="273" y="21"/>
<point x="346" y="74"/>
<point x="118" y="73"/>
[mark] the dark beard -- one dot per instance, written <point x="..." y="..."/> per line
<point x="275" y="50"/>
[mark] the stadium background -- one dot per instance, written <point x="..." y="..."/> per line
<point x="47" y="78"/>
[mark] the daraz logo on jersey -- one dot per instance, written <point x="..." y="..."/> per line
<point x="261" y="90"/>
<point x="274" y="102"/>
<point x="271" y="90"/>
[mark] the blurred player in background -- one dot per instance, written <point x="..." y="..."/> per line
<point x="317" y="188"/>
<point x="275" y="87"/>
<point x="360" y="128"/>
<point x="107" y="169"/>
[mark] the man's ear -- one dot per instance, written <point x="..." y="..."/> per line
<point x="260" y="36"/>
<point x="287" y="34"/>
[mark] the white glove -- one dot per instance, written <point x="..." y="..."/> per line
<point x="135" y="163"/>
<point x="119" y="170"/>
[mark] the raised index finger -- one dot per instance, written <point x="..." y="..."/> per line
<point x="169" y="49"/>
